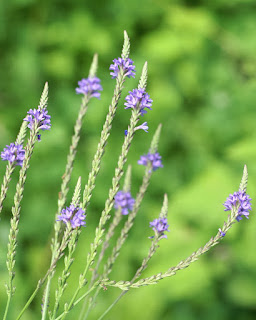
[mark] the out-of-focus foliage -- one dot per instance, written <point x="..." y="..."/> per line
<point x="202" y="67"/>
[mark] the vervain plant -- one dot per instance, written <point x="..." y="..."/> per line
<point x="70" y="218"/>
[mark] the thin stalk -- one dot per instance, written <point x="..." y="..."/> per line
<point x="52" y="267"/>
<point x="63" y="193"/>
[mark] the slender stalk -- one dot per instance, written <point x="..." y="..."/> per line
<point x="63" y="193"/>
<point x="152" y="250"/>
<point x="126" y="285"/>
<point x="65" y="241"/>
<point x="108" y="204"/>
<point x="66" y="179"/>
<point x="16" y="216"/>
<point x="11" y="166"/>
<point x="124" y="233"/>
<point x="80" y="299"/>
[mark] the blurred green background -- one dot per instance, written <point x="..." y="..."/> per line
<point x="202" y="66"/>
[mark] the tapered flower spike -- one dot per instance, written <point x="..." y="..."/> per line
<point x="126" y="47"/>
<point x="77" y="193"/>
<point x="127" y="179"/>
<point x="155" y="141"/>
<point x="243" y="184"/>
<point x="12" y="244"/>
<point x="144" y="77"/>
<point x="94" y="66"/>
<point x="44" y="97"/>
<point x="22" y="133"/>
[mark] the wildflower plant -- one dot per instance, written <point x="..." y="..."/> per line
<point x="120" y="210"/>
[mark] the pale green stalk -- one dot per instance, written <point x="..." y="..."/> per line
<point x="126" y="285"/>
<point x="11" y="166"/>
<point x="105" y="134"/>
<point x="109" y="235"/>
<point x="68" y="260"/>
<point x="106" y="128"/>
<point x="17" y="203"/>
<point x="113" y="225"/>
<point x="69" y="239"/>
<point x="132" y="215"/>
<point x="108" y="204"/>
<point x="65" y="240"/>
<point x="152" y="250"/>
<point x="66" y="310"/>
<point x="66" y="179"/>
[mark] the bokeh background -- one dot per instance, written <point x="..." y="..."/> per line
<point x="202" y="66"/>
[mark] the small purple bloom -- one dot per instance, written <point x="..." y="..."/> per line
<point x="143" y="126"/>
<point x="222" y="233"/>
<point x="243" y="200"/>
<point x="13" y="153"/>
<point x="125" y="64"/>
<point x="90" y="86"/>
<point x="160" y="226"/>
<point x="138" y="98"/>
<point x="154" y="158"/>
<point x="125" y="201"/>
<point x="42" y="117"/>
<point x="74" y="215"/>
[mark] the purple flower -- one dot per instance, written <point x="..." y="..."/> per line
<point x="160" y="226"/>
<point x="138" y="98"/>
<point x="243" y="201"/>
<point x="143" y="126"/>
<point x="222" y="233"/>
<point x="14" y="153"/>
<point x="90" y="86"/>
<point x="125" y="64"/>
<point x="124" y="201"/>
<point x="73" y="215"/>
<point x="42" y="117"/>
<point x="154" y="158"/>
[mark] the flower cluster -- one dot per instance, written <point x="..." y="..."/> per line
<point x="90" y="86"/>
<point x="125" y="201"/>
<point x="160" y="226"/>
<point x="154" y="158"/>
<point x="143" y="126"/>
<point x="41" y="116"/>
<point x="243" y="200"/>
<point x="138" y="98"/>
<point x="74" y="215"/>
<point x="125" y="64"/>
<point x="13" y="153"/>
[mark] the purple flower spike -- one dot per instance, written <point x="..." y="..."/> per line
<point x="73" y="215"/>
<point x="154" y="158"/>
<point x="124" y="201"/>
<point x="42" y="117"/>
<point x="13" y="153"/>
<point x="125" y="64"/>
<point x="138" y="98"/>
<point x="90" y="86"/>
<point x="160" y="226"/>
<point x="243" y="201"/>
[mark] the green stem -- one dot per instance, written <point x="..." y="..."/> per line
<point x="63" y="315"/>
